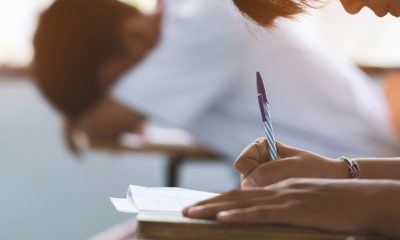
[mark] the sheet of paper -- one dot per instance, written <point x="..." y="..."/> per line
<point x="158" y="200"/>
<point x="124" y="205"/>
<point x="157" y="136"/>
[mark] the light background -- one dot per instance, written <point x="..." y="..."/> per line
<point x="46" y="194"/>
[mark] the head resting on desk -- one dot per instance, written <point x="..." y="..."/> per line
<point x="82" y="46"/>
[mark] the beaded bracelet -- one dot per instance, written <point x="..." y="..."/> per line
<point x="353" y="167"/>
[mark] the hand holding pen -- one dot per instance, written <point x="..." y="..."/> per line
<point x="256" y="167"/>
<point x="267" y="151"/>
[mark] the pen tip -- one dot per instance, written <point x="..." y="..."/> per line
<point x="258" y="76"/>
<point x="261" y="87"/>
<point x="260" y="82"/>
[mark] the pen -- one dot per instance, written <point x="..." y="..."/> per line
<point x="266" y="117"/>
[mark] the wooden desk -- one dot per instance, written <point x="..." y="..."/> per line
<point x="167" y="230"/>
<point x="178" y="146"/>
<point x="179" y="228"/>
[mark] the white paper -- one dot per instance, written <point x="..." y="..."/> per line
<point x="157" y="136"/>
<point x="158" y="200"/>
<point x="124" y="205"/>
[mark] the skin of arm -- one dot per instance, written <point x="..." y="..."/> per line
<point x="344" y="205"/>
<point x="104" y="122"/>
<point x="257" y="171"/>
<point x="362" y="206"/>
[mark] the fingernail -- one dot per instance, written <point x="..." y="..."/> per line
<point x="194" y="211"/>
<point x="248" y="183"/>
<point x="186" y="209"/>
<point x="224" y="216"/>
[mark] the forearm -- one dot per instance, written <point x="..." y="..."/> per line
<point x="109" y="118"/>
<point x="387" y="216"/>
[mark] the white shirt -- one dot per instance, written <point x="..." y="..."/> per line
<point x="201" y="78"/>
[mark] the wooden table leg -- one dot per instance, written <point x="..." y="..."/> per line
<point x="173" y="167"/>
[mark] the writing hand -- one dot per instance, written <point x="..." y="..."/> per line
<point x="338" y="205"/>
<point x="257" y="171"/>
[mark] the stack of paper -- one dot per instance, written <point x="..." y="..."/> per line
<point x="158" y="200"/>
<point x="160" y="218"/>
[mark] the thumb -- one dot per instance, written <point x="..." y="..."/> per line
<point x="268" y="173"/>
<point x="251" y="157"/>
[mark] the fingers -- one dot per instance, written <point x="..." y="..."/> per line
<point x="286" y="151"/>
<point x="277" y="214"/>
<point x="253" y="156"/>
<point x="234" y="195"/>
<point x="210" y="211"/>
<point x="285" y="204"/>
<point x="257" y="154"/>
<point x="228" y="196"/>
<point x="246" y="199"/>
<point x="246" y="166"/>
<point x="289" y="213"/>
<point x="139" y="127"/>
<point x="269" y="173"/>
<point x="69" y="139"/>
<point x="281" y="204"/>
<point x="260" y="174"/>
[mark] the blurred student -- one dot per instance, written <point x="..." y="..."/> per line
<point x="189" y="65"/>
<point x="323" y="195"/>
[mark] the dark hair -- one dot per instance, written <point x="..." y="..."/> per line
<point x="265" y="12"/>
<point x="73" y="38"/>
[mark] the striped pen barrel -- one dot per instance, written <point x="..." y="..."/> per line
<point x="266" y="117"/>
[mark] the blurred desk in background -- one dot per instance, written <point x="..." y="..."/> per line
<point x="15" y="72"/>
<point x="178" y="145"/>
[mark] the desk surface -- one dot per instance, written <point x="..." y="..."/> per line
<point x="172" y="142"/>
<point x="178" y="228"/>
<point x="179" y="147"/>
<point x="195" y="151"/>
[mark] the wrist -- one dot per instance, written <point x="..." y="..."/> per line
<point x="353" y="167"/>
<point x="341" y="170"/>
